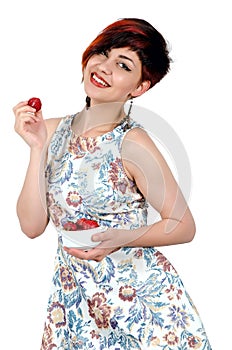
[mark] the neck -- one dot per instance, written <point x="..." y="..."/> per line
<point x="98" y="119"/>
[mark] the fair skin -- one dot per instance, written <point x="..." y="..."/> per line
<point x="110" y="79"/>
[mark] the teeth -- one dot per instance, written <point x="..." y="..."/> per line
<point x="99" y="80"/>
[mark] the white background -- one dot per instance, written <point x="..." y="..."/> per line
<point x="41" y="46"/>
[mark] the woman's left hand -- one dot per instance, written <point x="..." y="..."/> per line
<point x="109" y="241"/>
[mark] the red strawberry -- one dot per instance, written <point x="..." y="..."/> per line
<point x="70" y="226"/>
<point x="35" y="103"/>
<point x="87" y="224"/>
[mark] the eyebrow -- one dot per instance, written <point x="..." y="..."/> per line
<point x="127" y="58"/>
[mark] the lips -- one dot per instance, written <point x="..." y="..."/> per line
<point x="98" y="81"/>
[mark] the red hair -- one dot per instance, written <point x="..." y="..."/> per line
<point x="141" y="37"/>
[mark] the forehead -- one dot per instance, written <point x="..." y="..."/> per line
<point x="125" y="51"/>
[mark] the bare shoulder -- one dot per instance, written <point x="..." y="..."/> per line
<point x="140" y="148"/>
<point x="141" y="155"/>
<point x="140" y="137"/>
<point x="135" y="133"/>
<point x="52" y="124"/>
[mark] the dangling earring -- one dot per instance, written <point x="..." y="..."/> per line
<point x="127" y="119"/>
<point x="87" y="100"/>
<point x="130" y="108"/>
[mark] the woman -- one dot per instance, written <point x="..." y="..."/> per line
<point x="102" y="168"/>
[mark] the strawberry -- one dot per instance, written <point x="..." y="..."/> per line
<point x="35" y="103"/>
<point x="87" y="224"/>
<point x="70" y="226"/>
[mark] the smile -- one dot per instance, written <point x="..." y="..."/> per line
<point x="96" y="80"/>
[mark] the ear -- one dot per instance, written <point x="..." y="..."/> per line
<point x="143" y="87"/>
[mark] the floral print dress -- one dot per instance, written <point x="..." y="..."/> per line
<point x="133" y="298"/>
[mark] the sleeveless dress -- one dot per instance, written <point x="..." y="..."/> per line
<point x="132" y="299"/>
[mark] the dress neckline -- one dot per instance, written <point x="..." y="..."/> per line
<point x="122" y="126"/>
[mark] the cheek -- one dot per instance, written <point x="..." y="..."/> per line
<point x="94" y="61"/>
<point x="127" y="85"/>
<point x="88" y="67"/>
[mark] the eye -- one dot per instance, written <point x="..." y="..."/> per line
<point x="124" y="66"/>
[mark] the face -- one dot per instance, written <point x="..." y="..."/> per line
<point x="114" y="76"/>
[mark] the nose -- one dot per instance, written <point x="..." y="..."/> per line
<point x="105" y="66"/>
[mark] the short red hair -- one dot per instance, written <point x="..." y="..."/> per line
<point x="141" y="37"/>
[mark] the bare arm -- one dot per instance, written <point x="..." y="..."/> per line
<point x="147" y="167"/>
<point x="36" y="132"/>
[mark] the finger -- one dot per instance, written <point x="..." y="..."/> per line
<point x="96" y="237"/>
<point x="39" y="114"/>
<point x="101" y="236"/>
<point x="19" y="105"/>
<point x="20" y="123"/>
<point x="78" y="253"/>
<point x="25" y="109"/>
<point x="92" y="254"/>
<point x="96" y="254"/>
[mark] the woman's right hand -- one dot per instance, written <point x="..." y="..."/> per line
<point x="30" y="125"/>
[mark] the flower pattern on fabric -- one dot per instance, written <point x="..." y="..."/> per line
<point x="171" y="338"/>
<point x="127" y="293"/>
<point x="117" y="183"/>
<point x="99" y="310"/>
<point x="73" y="199"/>
<point x="134" y="298"/>
<point x="66" y="279"/>
<point x="57" y="315"/>
<point x="47" y="342"/>
<point x="79" y="146"/>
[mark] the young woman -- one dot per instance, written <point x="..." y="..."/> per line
<point x="102" y="169"/>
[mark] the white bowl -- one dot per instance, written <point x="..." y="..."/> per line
<point x="80" y="239"/>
